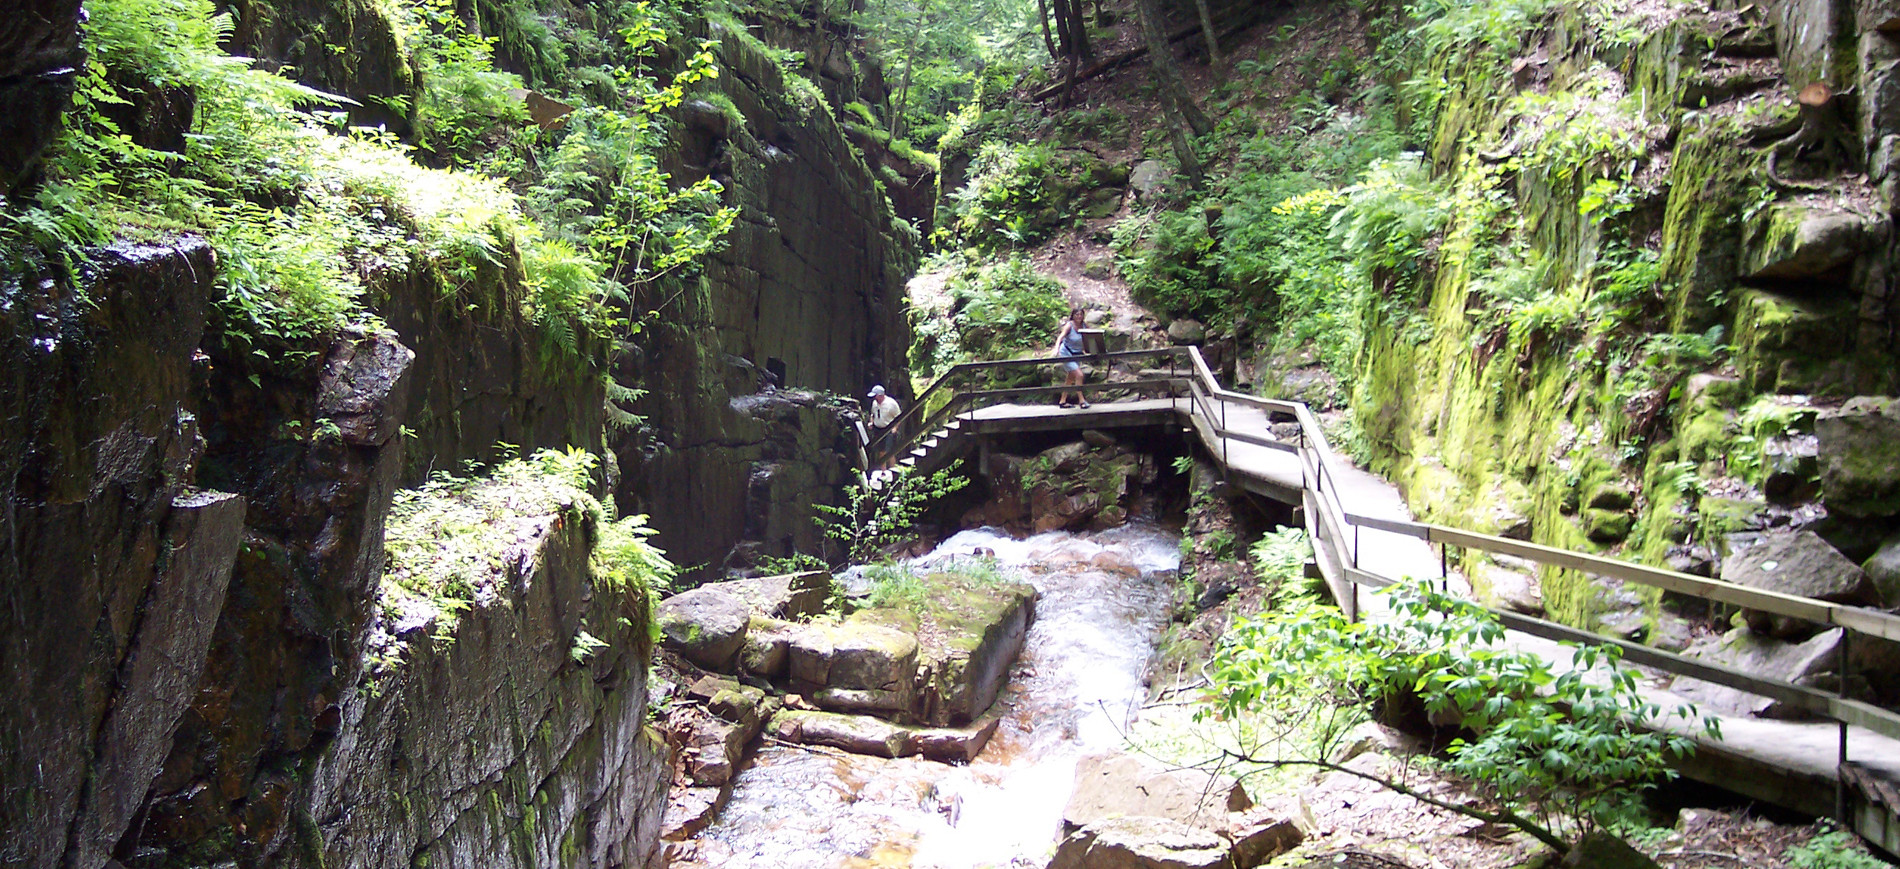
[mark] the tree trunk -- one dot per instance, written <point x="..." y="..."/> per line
<point x="1064" y="40"/>
<point x="1042" y="10"/>
<point x="1214" y="59"/>
<point x="1166" y="74"/>
<point x="1077" y="45"/>
<point x="903" y="90"/>
<point x="1184" y="155"/>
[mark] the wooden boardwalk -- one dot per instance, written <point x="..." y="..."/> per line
<point x="1846" y="765"/>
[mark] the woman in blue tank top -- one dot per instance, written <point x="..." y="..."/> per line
<point x="1068" y="345"/>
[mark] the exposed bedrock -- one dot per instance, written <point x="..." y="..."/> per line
<point x="40" y="61"/>
<point x="808" y="294"/>
<point x="115" y="567"/>
<point x="495" y="742"/>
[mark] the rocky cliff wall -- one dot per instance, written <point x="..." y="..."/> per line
<point x="40" y="59"/>
<point x="196" y="532"/>
<point x="810" y="292"/>
<point x="1667" y="176"/>
<point x="116" y="565"/>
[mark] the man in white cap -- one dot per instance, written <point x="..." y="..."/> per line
<point x="883" y="413"/>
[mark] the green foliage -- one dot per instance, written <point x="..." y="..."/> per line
<point x="1167" y="259"/>
<point x="303" y="219"/>
<point x="1498" y="26"/>
<point x="1279" y="559"/>
<point x="1008" y="202"/>
<point x="1559" y="752"/>
<point x="449" y="540"/>
<point x="464" y="99"/>
<point x="1835" y="849"/>
<point x="1387" y="219"/>
<point x="876" y="516"/>
<point x="997" y="310"/>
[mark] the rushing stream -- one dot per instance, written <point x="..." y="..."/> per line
<point x="1104" y="600"/>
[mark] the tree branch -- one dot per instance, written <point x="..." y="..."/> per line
<point x="1501" y="816"/>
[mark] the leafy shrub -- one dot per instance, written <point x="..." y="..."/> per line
<point x="1556" y="752"/>
<point x="1169" y="263"/>
<point x="1387" y="219"/>
<point x="1000" y="310"/>
<point x="1007" y="202"/>
<point x="1835" y="849"/>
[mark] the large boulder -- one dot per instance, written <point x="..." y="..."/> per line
<point x="1860" y="456"/>
<point x="1119" y="785"/>
<point x="705" y="626"/>
<point x="1800" y="564"/>
<point x="1141" y="843"/>
<point x="852" y="656"/>
<point x="1790" y="242"/>
<point x="786" y="596"/>
<point x="968" y="637"/>
<point x="1884" y="569"/>
<point x="1767" y="657"/>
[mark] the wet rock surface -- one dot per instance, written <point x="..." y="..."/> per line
<point x="40" y="61"/>
<point x="973" y="795"/>
<point x="117" y="568"/>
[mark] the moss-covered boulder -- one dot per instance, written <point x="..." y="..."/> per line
<point x="1792" y="242"/>
<point x="1788" y="344"/>
<point x="705" y="626"/>
<point x="968" y="634"/>
<point x="1801" y="564"/>
<point x="1860" y="456"/>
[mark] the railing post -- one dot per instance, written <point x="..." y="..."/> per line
<point x="1840" y="760"/>
<point x="1355" y="545"/>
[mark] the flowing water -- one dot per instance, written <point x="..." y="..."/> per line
<point x="1104" y="600"/>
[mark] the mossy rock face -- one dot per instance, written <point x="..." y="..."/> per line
<point x="1790" y="242"/>
<point x="1607" y="526"/>
<point x="1701" y="245"/>
<point x="1718" y="516"/>
<point x="1859" y="446"/>
<point x="1708" y="404"/>
<point x="1788" y="344"/>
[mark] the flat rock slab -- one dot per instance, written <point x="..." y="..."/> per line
<point x="1141" y="843"/>
<point x="1124" y="785"/>
<point x="787" y="596"/>
<point x="865" y="734"/>
<point x="858" y="734"/>
<point x="955" y="744"/>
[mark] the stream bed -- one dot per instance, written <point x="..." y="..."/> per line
<point x="1104" y="599"/>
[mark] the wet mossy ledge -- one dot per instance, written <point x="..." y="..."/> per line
<point x="1628" y="328"/>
